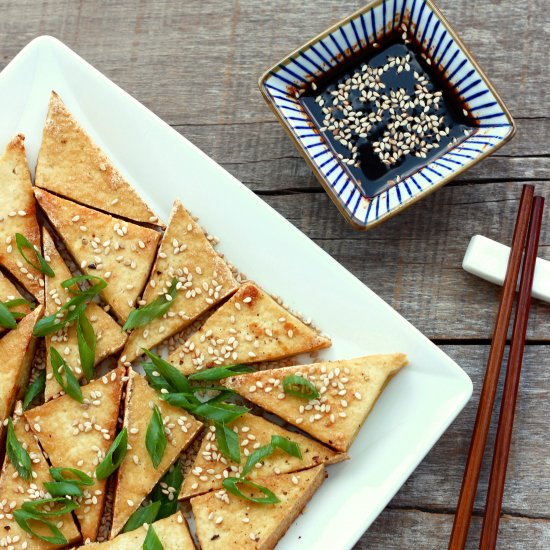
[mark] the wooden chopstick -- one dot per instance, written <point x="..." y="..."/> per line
<point x="495" y="491"/>
<point x="465" y="505"/>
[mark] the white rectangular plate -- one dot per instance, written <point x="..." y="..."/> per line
<point x="417" y="406"/>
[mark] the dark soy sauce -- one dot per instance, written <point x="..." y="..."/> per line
<point x="362" y="155"/>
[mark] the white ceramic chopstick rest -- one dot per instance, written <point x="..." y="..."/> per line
<point x="488" y="259"/>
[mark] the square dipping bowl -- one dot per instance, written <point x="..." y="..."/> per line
<point x="350" y="58"/>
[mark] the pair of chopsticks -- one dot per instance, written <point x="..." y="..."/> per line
<point x="526" y="237"/>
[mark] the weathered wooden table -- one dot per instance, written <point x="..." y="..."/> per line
<point x="196" y="64"/>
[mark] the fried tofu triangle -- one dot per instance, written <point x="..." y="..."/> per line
<point x="72" y="165"/>
<point x="348" y="391"/>
<point x="17" y="349"/>
<point x="204" y="279"/>
<point x="137" y="475"/>
<point x="249" y="328"/>
<point x="15" y="491"/>
<point x="253" y="431"/>
<point x="109" y="335"/>
<point x="245" y="525"/>
<point x="121" y="252"/>
<point x="78" y="435"/>
<point x="172" y="532"/>
<point x="18" y="215"/>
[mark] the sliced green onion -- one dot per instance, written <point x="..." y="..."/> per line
<point x="277" y="442"/>
<point x="47" y="325"/>
<point x="173" y="479"/>
<point x="226" y="392"/>
<point x="114" y="457"/>
<point x="23" y="519"/>
<point x="157" y="308"/>
<point x="185" y="401"/>
<point x="86" y="345"/>
<point x="176" y="390"/>
<point x="7" y="318"/>
<point x="63" y="489"/>
<point x="230" y="484"/>
<point x="151" y="541"/>
<point x="257" y="456"/>
<point x="51" y="506"/>
<point x="100" y="284"/>
<point x="213" y="410"/>
<point x="70" y="310"/>
<point x="35" y="389"/>
<point x="156" y="380"/>
<point x="70" y="385"/>
<point x="145" y="514"/>
<point x="219" y="373"/>
<point x="17" y="454"/>
<point x="289" y="447"/>
<point x="299" y="387"/>
<point x="171" y="374"/>
<point x="220" y="412"/>
<point x="80" y="478"/>
<point x="18" y="302"/>
<point x="228" y="442"/>
<point x="24" y="244"/>
<point x="155" y="439"/>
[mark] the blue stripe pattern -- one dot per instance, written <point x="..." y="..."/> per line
<point x="367" y="27"/>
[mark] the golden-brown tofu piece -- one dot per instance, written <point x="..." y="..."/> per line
<point x="109" y="335"/>
<point x="15" y="491"/>
<point x="18" y="215"/>
<point x="203" y="277"/>
<point x="78" y="435"/>
<point x="17" y="349"/>
<point x="137" y="475"/>
<point x="172" y="532"/>
<point x="253" y="432"/>
<point x="72" y="165"/>
<point x="119" y="251"/>
<point x="348" y="391"/>
<point x="250" y="327"/>
<point x="228" y="522"/>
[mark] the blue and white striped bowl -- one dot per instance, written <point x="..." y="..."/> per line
<point x="446" y="51"/>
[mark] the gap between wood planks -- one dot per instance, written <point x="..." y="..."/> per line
<point x="275" y="121"/>
<point x="482" y="341"/>
<point x="320" y="190"/>
<point x="475" y="513"/>
<point x="254" y="162"/>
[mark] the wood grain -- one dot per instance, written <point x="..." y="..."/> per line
<point x="163" y="51"/>
<point x="261" y="155"/>
<point x="196" y="65"/>
<point x="436" y="482"/>
<point x="405" y="529"/>
<point x="414" y="261"/>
